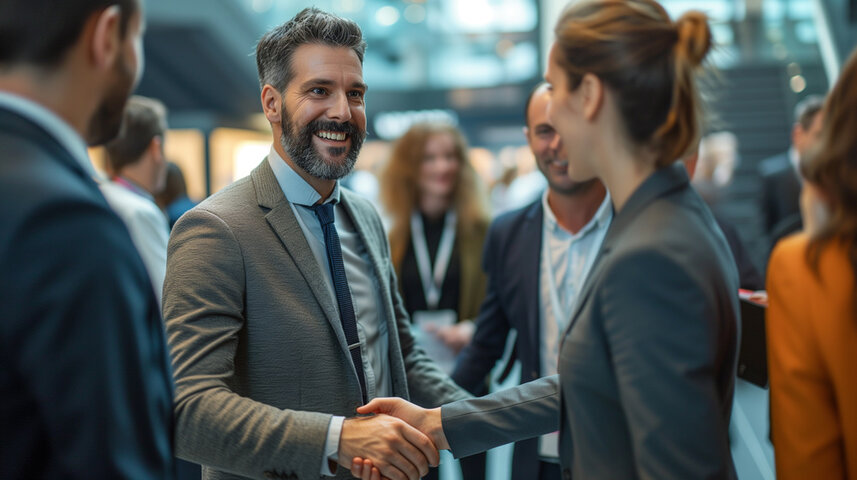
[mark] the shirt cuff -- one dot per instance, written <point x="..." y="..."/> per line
<point x="331" y="445"/>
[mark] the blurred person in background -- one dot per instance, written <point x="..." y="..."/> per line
<point x="85" y="387"/>
<point x="137" y="169"/>
<point x="536" y="259"/>
<point x="715" y="165"/>
<point x="812" y="312"/>
<point x="781" y="182"/>
<point x="748" y="275"/>
<point x="647" y="364"/>
<point x="173" y="199"/>
<point x="439" y="221"/>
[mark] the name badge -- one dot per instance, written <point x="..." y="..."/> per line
<point x="426" y="322"/>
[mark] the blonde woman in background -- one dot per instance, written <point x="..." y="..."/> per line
<point x="439" y="217"/>
<point x="812" y="314"/>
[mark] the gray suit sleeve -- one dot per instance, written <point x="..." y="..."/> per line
<point x="203" y="309"/>
<point x="663" y="338"/>
<point x="526" y="411"/>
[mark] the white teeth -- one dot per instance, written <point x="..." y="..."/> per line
<point x="331" y="135"/>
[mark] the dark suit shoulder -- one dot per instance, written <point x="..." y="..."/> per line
<point x="678" y="226"/>
<point x="510" y="224"/>
<point x="774" y="165"/>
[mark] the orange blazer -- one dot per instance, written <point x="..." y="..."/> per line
<point x="812" y="362"/>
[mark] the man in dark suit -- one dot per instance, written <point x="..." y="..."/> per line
<point x="536" y="259"/>
<point x="781" y="182"/>
<point x="85" y="388"/>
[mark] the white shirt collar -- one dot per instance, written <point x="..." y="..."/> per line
<point x="53" y="124"/>
<point x="794" y="158"/>
<point x="294" y="187"/>
<point x="601" y="218"/>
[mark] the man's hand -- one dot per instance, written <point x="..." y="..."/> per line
<point x="427" y="421"/>
<point x="456" y="336"/>
<point x="398" y="450"/>
<point x="364" y="470"/>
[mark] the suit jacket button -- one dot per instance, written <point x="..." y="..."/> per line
<point x="535" y="374"/>
<point x="269" y="474"/>
<point x="566" y="474"/>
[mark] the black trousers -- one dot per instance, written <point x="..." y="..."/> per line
<point x="549" y="471"/>
<point x="472" y="468"/>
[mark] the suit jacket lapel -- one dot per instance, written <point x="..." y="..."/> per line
<point x="659" y="183"/>
<point x="370" y="243"/>
<point x="285" y="225"/>
<point x="530" y="247"/>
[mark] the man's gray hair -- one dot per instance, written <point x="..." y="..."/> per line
<point x="275" y="50"/>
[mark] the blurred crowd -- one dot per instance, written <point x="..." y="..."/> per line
<point x="243" y="333"/>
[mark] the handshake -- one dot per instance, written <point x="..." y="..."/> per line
<point x="399" y="442"/>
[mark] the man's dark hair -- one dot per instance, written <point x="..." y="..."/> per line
<point x="143" y="119"/>
<point x="806" y="110"/>
<point x="275" y="50"/>
<point x="529" y="101"/>
<point x="40" y="32"/>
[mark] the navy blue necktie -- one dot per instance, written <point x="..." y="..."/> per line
<point x="324" y="213"/>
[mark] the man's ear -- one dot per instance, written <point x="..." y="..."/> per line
<point x="156" y="148"/>
<point x="272" y="103"/>
<point x="106" y="40"/>
<point x="592" y="95"/>
<point x="797" y="135"/>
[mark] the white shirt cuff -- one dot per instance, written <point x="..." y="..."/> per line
<point x="331" y="445"/>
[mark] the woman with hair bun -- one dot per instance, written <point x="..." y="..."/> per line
<point x="812" y="314"/>
<point x="647" y="363"/>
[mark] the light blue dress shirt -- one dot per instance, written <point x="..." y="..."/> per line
<point x="571" y="257"/>
<point x="365" y="290"/>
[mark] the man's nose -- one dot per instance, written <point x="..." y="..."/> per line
<point x="339" y="109"/>
<point x="556" y="143"/>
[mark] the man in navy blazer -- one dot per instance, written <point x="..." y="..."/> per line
<point x="536" y="259"/>
<point x="85" y="387"/>
<point x="781" y="183"/>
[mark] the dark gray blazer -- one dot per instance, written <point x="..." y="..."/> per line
<point x="647" y="364"/>
<point x="260" y="358"/>
<point x="780" y="190"/>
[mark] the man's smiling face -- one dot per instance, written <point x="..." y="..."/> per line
<point x="323" y="114"/>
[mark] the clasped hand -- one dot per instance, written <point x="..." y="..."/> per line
<point x="398" y="442"/>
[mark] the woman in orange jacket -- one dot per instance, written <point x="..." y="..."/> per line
<point x="812" y="317"/>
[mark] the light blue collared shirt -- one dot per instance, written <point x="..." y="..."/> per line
<point x="571" y="257"/>
<point x="365" y="290"/>
<point x="53" y="124"/>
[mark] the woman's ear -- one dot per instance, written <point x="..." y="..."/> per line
<point x="592" y="95"/>
<point x="272" y="103"/>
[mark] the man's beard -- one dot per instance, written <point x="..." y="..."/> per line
<point x="298" y="145"/>
<point x="575" y="188"/>
<point x="107" y="120"/>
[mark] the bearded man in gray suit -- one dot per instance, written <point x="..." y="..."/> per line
<point x="280" y="300"/>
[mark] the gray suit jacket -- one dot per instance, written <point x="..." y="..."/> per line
<point x="259" y="354"/>
<point x="647" y="364"/>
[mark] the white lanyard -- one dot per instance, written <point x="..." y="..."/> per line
<point x="432" y="280"/>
